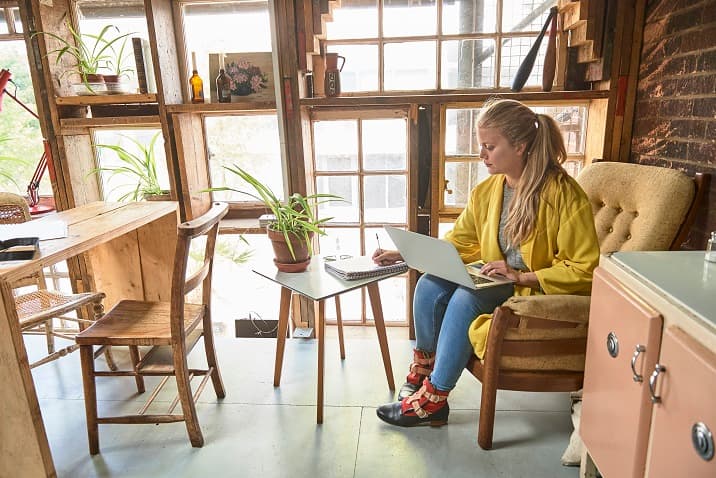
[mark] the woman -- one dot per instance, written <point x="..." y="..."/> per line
<point x="529" y="221"/>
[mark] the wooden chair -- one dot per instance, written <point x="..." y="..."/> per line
<point x="171" y="329"/>
<point x="37" y="310"/>
<point x="538" y="343"/>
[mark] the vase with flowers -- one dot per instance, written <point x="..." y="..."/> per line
<point x="245" y="78"/>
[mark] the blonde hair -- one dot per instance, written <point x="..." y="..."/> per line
<point x="543" y="158"/>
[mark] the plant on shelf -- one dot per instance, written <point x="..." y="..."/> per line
<point x="140" y="167"/>
<point x="120" y="57"/>
<point x="293" y="224"/>
<point x="91" y="53"/>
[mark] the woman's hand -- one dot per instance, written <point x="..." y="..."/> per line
<point x="526" y="279"/>
<point x="384" y="257"/>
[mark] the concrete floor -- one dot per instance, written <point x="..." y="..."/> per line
<point x="262" y="431"/>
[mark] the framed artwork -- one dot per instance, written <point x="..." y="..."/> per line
<point x="250" y="74"/>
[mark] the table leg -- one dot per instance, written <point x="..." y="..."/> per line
<point x="339" y="320"/>
<point x="321" y="334"/>
<point x="374" y="294"/>
<point x="281" y="334"/>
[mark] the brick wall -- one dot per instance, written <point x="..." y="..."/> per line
<point x="675" y="117"/>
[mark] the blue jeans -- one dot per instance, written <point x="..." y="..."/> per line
<point x="443" y="312"/>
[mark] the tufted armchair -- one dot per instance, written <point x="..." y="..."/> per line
<point x="538" y="343"/>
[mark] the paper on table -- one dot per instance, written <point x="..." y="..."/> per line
<point x="362" y="267"/>
<point x="44" y="229"/>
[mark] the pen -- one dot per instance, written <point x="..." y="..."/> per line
<point x="378" y="241"/>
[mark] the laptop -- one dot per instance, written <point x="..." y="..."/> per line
<point x="441" y="259"/>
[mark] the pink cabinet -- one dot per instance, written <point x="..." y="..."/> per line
<point x="622" y="350"/>
<point x="683" y="427"/>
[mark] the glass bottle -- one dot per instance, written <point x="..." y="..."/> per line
<point x="196" y="83"/>
<point x="711" y="248"/>
<point x="223" y="85"/>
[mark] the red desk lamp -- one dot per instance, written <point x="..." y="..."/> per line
<point x="33" y="195"/>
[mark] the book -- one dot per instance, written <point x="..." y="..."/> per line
<point x="362" y="267"/>
<point x="18" y="248"/>
<point x="44" y="229"/>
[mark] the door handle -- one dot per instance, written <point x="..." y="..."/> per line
<point x="658" y="368"/>
<point x="634" y="374"/>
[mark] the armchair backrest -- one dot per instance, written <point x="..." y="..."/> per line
<point x="13" y="209"/>
<point x="637" y="207"/>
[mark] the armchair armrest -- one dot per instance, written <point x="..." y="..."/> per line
<point x="563" y="308"/>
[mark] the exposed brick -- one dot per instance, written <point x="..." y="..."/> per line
<point x="655" y="31"/>
<point x="698" y="39"/>
<point x="694" y="85"/>
<point x="706" y="61"/>
<point x="644" y="125"/>
<point x="679" y="108"/>
<point x="679" y="65"/>
<point x="704" y="153"/>
<point x="659" y="9"/>
<point x="708" y="13"/>
<point x="650" y="108"/>
<point x="683" y="20"/>
<point x="705" y="108"/>
<point x="687" y="128"/>
<point x="710" y="131"/>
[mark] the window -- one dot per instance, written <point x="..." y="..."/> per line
<point x="411" y="45"/>
<point x="363" y="157"/>
<point x="231" y="27"/>
<point x="10" y="24"/>
<point x="463" y="168"/>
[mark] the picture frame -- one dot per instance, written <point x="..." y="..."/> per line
<point x="251" y="74"/>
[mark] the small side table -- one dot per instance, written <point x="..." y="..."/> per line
<point x="318" y="285"/>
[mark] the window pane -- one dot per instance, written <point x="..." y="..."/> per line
<point x="346" y="187"/>
<point x="469" y="16"/>
<point x="116" y="187"/>
<point x="385" y="199"/>
<point x="462" y="176"/>
<point x="514" y="51"/>
<point x="572" y="121"/>
<point x="384" y="146"/>
<point x="401" y="18"/>
<point x="354" y="19"/>
<point x="336" y="145"/>
<point x="410" y="66"/>
<point x="525" y="15"/>
<point x="468" y="64"/>
<point x="340" y="240"/>
<point x="233" y="27"/>
<point x="3" y="21"/>
<point x="20" y="136"/>
<point x="128" y="19"/>
<point x="360" y="72"/>
<point x="460" y="128"/>
<point x="250" y="142"/>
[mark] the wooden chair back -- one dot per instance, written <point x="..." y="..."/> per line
<point x="206" y="226"/>
<point x="13" y="209"/>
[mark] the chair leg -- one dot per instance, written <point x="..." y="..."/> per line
<point x="50" y="337"/>
<point x="210" y="351"/>
<point x="134" y="355"/>
<point x="90" y="391"/>
<point x="188" y="406"/>
<point x="487" y="414"/>
<point x="339" y="321"/>
<point x="98" y="312"/>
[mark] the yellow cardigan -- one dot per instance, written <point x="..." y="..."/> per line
<point x="562" y="251"/>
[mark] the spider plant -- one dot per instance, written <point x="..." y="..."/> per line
<point x="140" y="167"/>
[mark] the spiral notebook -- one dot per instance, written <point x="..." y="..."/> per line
<point x="362" y="267"/>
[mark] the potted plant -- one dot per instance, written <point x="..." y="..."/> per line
<point x="119" y="56"/>
<point x="140" y="167"/>
<point x="294" y="221"/>
<point x="91" y="53"/>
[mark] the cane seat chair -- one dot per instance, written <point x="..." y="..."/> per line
<point x="538" y="343"/>
<point x="38" y="309"/>
<point x="171" y="329"/>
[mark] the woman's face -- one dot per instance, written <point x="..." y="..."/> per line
<point x="499" y="155"/>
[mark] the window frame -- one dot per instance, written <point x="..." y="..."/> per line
<point x="12" y="34"/>
<point x="498" y="36"/>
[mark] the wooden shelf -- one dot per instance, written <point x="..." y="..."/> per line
<point x="404" y="99"/>
<point x="222" y="107"/>
<point x="90" y="100"/>
<point x="70" y="125"/>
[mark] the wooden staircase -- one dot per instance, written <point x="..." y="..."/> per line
<point x="588" y="22"/>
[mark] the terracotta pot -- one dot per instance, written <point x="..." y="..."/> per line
<point x="111" y="78"/>
<point x="93" y="78"/>
<point x="284" y="261"/>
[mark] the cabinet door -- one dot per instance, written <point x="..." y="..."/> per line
<point x="616" y="409"/>
<point x="686" y="387"/>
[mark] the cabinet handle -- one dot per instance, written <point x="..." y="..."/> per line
<point x="703" y="441"/>
<point x="612" y="344"/>
<point x="634" y="375"/>
<point x="658" y="368"/>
